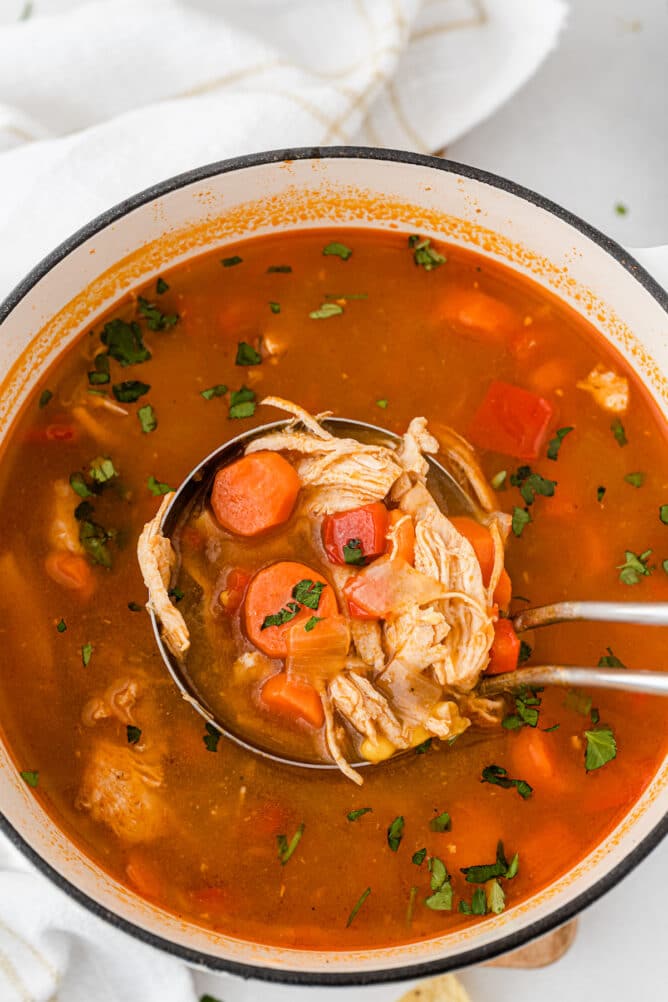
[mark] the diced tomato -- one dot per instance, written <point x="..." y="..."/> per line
<point x="233" y="593"/>
<point x="293" y="698"/>
<point x="479" y="314"/>
<point x="404" y="536"/>
<point x="505" y="651"/>
<point x="56" y="432"/>
<point x="511" y="420"/>
<point x="356" y="611"/>
<point x="365" y="526"/>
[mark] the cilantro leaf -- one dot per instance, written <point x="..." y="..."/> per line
<point x="147" y="419"/>
<point x="531" y="484"/>
<point x="94" y="539"/>
<point x="382" y="403"/>
<point x="79" y="485"/>
<point x="274" y="307"/>
<point x="31" y="777"/>
<point x="395" y="833"/>
<point x="498" y="481"/>
<point x="424" y="254"/>
<point x="520" y="520"/>
<point x="352" y="552"/>
<point x="526" y="651"/>
<point x="100" y="373"/>
<point x="155" y="319"/>
<point x="555" y="443"/>
<point x="133" y="733"/>
<point x="135" y="607"/>
<point x="86" y="654"/>
<point x="418" y="857"/>
<point x="282" y="616"/>
<point x="443" y="823"/>
<point x="496" y="899"/>
<point x="175" y="593"/>
<point x="359" y="813"/>
<point x="635" y="479"/>
<point x="423" y="747"/>
<point x="219" y="390"/>
<point x="527" y="703"/>
<point x="617" y="429"/>
<point x="44" y="397"/>
<point x="102" y="469"/>
<point x="663" y="513"/>
<point x="279" y="269"/>
<point x="440" y="900"/>
<point x="488" y="871"/>
<point x="498" y="776"/>
<point x="230" y="262"/>
<point x="308" y="592"/>
<point x="325" y="311"/>
<point x="311" y="623"/>
<point x="601" y="748"/>
<point x="338" y="250"/>
<point x="242" y="403"/>
<point x="247" y="355"/>
<point x="610" y="660"/>
<point x="157" y="488"/>
<point x="439" y="873"/>
<point x="161" y="286"/>
<point x="285" y="848"/>
<point x="129" y="391"/>
<point x="621" y="209"/>
<point x="124" y="342"/>
<point x="600" y="493"/>
<point x="578" y="701"/>
<point x="356" y="907"/>
<point x="211" y="737"/>
<point x="61" y="626"/>
<point x="634" y="567"/>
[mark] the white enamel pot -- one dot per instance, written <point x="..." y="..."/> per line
<point x="276" y="192"/>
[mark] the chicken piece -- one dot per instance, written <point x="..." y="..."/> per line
<point x="64" y="528"/>
<point x="367" y="638"/>
<point x="118" y="701"/>
<point x="366" y="709"/>
<point x="156" y="560"/>
<point x="414" y="444"/>
<point x="610" y="391"/>
<point x="482" y="711"/>
<point x="415" y="637"/>
<point x="333" y="739"/>
<point x="120" y="788"/>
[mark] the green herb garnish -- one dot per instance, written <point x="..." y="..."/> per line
<point x="94" y="539"/>
<point x="496" y="899"/>
<point x="102" y="470"/>
<point x="424" y="254"/>
<point x="356" y="907"/>
<point x="147" y="419"/>
<point x="242" y="403"/>
<point x="175" y="593"/>
<point x="325" y="311"/>
<point x="478" y="905"/>
<point x="610" y="660"/>
<point x="230" y="262"/>
<point x="418" y="857"/>
<point x="621" y="209"/>
<point x="129" y="391"/>
<point x="578" y="701"/>
<point x="100" y="374"/>
<point x="157" y="488"/>
<point x="520" y="520"/>
<point x="600" y="493"/>
<point x="155" y="319"/>
<point x="124" y="342"/>
<point x="359" y="813"/>
<point x="352" y="552"/>
<point x="395" y="833"/>
<point x="133" y="733"/>
<point x="279" y="269"/>
<point x="211" y="737"/>
<point x="526" y="651"/>
<point x="555" y="443"/>
<point x="86" y="654"/>
<point x="617" y="429"/>
<point x="285" y="848"/>
<point x="274" y="307"/>
<point x="247" y="355"/>
<point x="31" y="777"/>
<point x="44" y="398"/>
<point x="527" y="703"/>
<point x="443" y="823"/>
<point x="531" y="484"/>
<point x="499" y="479"/>
<point x="663" y="514"/>
<point x="308" y="592"/>
<point x="311" y="623"/>
<point x="423" y="747"/>
<point x="135" y="607"/>
<point x="282" y="616"/>
<point x="61" y="625"/>
<point x="601" y="748"/>
<point x="79" y="485"/>
<point x="161" y="286"/>
<point x="338" y="250"/>
<point x="382" y="403"/>
<point x="635" y="479"/>
<point x="488" y="871"/>
<point x="634" y="567"/>
<point x="498" y="776"/>
<point x="441" y="899"/>
<point x="219" y="390"/>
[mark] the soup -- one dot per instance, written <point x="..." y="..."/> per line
<point x="379" y="328"/>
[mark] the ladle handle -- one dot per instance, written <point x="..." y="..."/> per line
<point x="641" y="613"/>
<point x="653" y="682"/>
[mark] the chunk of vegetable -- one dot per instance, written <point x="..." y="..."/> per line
<point x="505" y="651"/>
<point x="479" y="315"/>
<point x="254" y="494"/>
<point x="504" y="590"/>
<point x="481" y="540"/>
<point x="511" y="420"/>
<point x="317" y="652"/>
<point x="366" y="526"/>
<point x="271" y="591"/>
<point x="389" y="585"/>
<point x="294" y="699"/>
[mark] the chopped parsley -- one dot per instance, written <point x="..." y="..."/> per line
<point x="135" y="607"/>
<point x="157" y="488"/>
<point x="601" y="747"/>
<point x="124" y="342"/>
<point x="418" y="857"/>
<point x="477" y="906"/>
<point x="498" y="481"/>
<point x="531" y="484"/>
<point x="211" y="737"/>
<point x="338" y="250"/>
<point x="155" y="319"/>
<point x="359" y="813"/>
<point x="242" y="403"/>
<point x="663" y="513"/>
<point x="664" y="565"/>
<point x="133" y="733"/>
<point x="520" y="520"/>
<point x="311" y="623"/>
<point x="282" y="616"/>
<point x="147" y="419"/>
<point x="129" y="391"/>
<point x="79" y="485"/>
<point x="634" y="567"/>
<point x="635" y="479"/>
<point x="526" y="651"/>
<point x="44" y="398"/>
<point x="423" y="747"/>
<point x="555" y="443"/>
<point x="578" y="701"/>
<point x="94" y="539"/>
<point x="161" y="286"/>
<point x="395" y="833"/>
<point x="308" y="592"/>
<point x="247" y="355"/>
<point x="219" y="390"/>
<point x="274" y="307"/>
<point x="100" y="373"/>
<point x="424" y="254"/>
<point x="230" y="262"/>
<point x="279" y="269"/>
<point x="498" y="776"/>
<point x="496" y="899"/>
<point x="489" y="871"/>
<point x="443" y="823"/>
<point x="102" y="469"/>
<point x="325" y="311"/>
<point x="617" y="429"/>
<point x="356" y="907"/>
<point x="86" y="654"/>
<point x="285" y="848"/>
<point x="352" y="552"/>
<point x="600" y="493"/>
<point x="441" y="899"/>
<point x="382" y="403"/>
<point x="527" y="703"/>
<point x="31" y="777"/>
<point x="61" y="625"/>
<point x="621" y="209"/>
<point x="176" y="594"/>
<point x="610" y="660"/>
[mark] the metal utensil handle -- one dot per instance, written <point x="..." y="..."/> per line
<point x="642" y="613"/>
<point x="655" y="682"/>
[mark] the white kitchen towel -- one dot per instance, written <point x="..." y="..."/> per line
<point x="99" y="100"/>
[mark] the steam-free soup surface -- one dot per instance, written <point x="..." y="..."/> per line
<point x="192" y="822"/>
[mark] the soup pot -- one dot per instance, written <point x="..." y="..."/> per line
<point x="277" y="192"/>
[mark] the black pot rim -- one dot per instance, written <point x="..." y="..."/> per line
<point x="466" y="958"/>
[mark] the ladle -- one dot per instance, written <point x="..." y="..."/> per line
<point x="453" y="499"/>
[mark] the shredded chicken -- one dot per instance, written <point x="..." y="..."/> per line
<point x="610" y="391"/>
<point x="117" y="701"/>
<point x="366" y="708"/>
<point x="64" y="528"/>
<point x="368" y="640"/>
<point x="156" y="559"/>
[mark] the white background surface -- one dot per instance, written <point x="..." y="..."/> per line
<point x="589" y="131"/>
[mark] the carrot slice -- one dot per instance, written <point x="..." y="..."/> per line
<point x="481" y="540"/>
<point x="270" y="592"/>
<point x="293" y="698"/>
<point x="505" y="650"/>
<point x="512" y="421"/>
<point x="359" y="531"/>
<point x="71" y="571"/>
<point x="479" y="315"/>
<point x="254" y="494"/>
<point x="402" y="537"/>
<point x="504" y="590"/>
